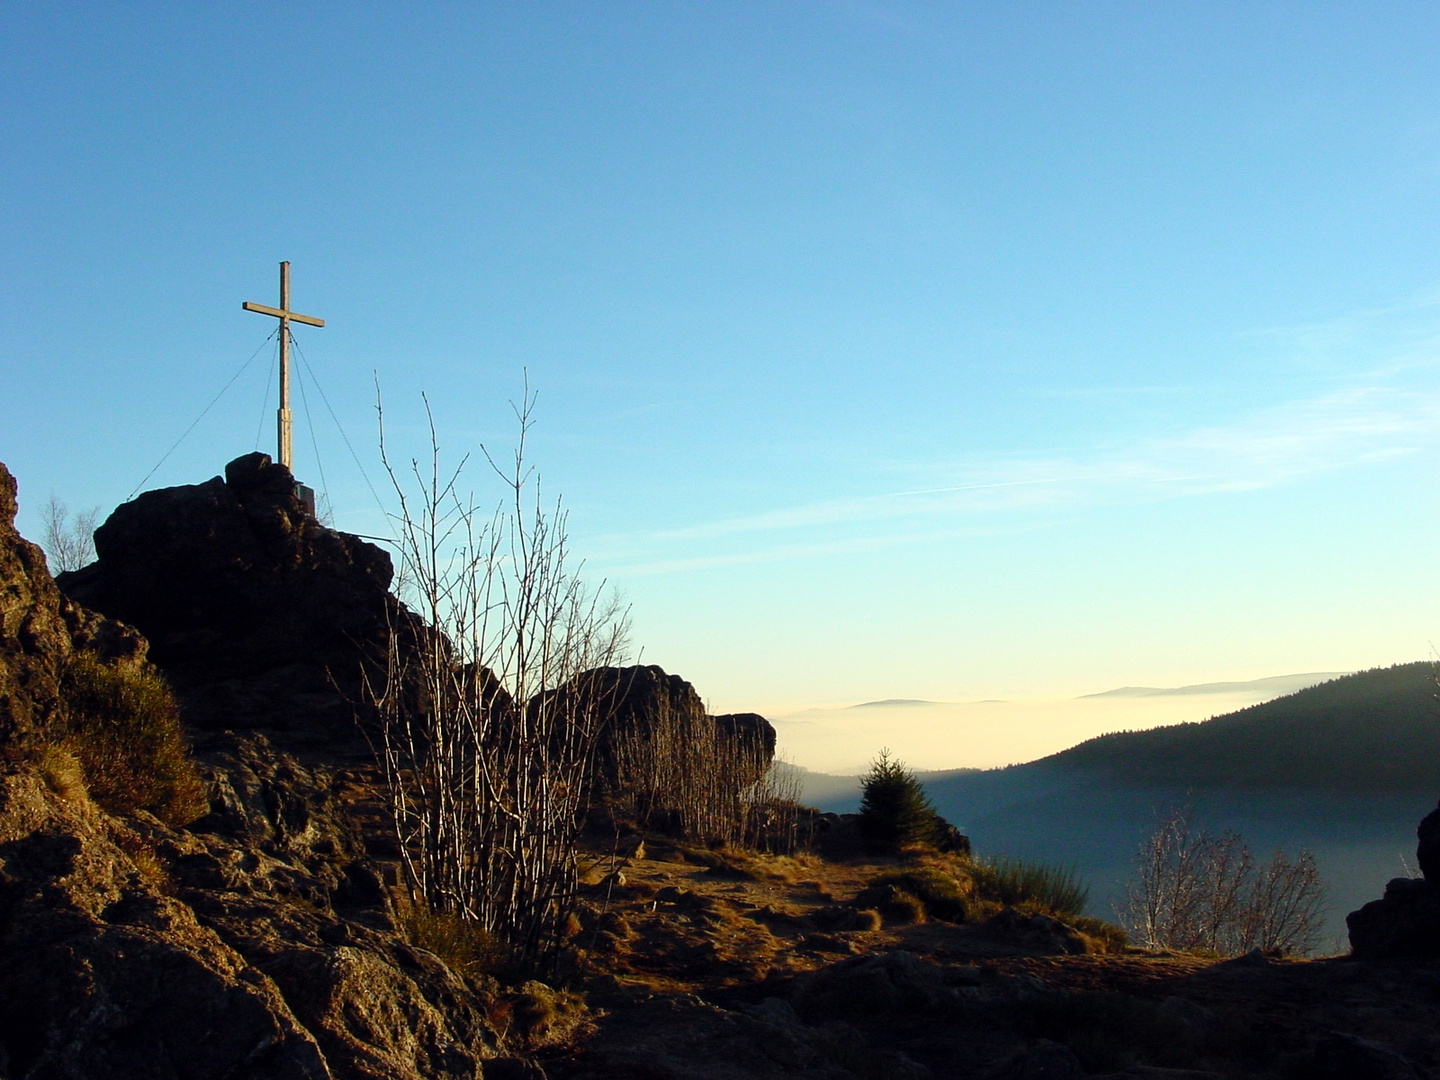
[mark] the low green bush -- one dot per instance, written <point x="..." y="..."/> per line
<point x="123" y="725"/>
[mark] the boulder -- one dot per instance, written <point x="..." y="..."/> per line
<point x="1406" y="920"/>
<point x="868" y="986"/>
<point x="1045" y="1060"/>
<point x="1035" y="933"/>
<point x="1341" y="1056"/>
<point x="750" y="730"/>
<point x="1427" y="850"/>
<point x="261" y="617"/>
<point x="684" y="1038"/>
<point x="648" y="714"/>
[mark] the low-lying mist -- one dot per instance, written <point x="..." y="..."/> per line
<point x="986" y="734"/>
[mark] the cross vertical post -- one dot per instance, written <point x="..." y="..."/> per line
<point x="282" y="420"/>
<point x="286" y="316"/>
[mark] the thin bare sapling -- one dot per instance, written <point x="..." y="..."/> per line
<point x="486" y="762"/>
<point x="1195" y="889"/>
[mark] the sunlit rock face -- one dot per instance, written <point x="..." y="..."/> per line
<point x="260" y="616"/>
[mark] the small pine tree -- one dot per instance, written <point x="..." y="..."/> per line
<point x="895" y="811"/>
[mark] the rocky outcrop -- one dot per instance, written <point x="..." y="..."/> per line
<point x="1427" y="850"/>
<point x="261" y="948"/>
<point x="103" y="974"/>
<point x="278" y="872"/>
<point x="261" y="617"/>
<point x="264" y="620"/>
<point x="645" y="710"/>
<point x="1406" y="920"/>
<point x="33" y="636"/>
<point x="39" y="629"/>
<point x="256" y="943"/>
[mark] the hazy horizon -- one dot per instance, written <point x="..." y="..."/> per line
<point x="987" y="733"/>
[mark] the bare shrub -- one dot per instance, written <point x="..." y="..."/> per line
<point x="685" y="775"/>
<point x="69" y="543"/>
<point x="773" y="812"/>
<point x="487" y="764"/>
<point x="1199" y="890"/>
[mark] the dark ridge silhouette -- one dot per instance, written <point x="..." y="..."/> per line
<point x="1376" y="730"/>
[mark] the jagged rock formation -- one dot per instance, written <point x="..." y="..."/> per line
<point x="33" y="636"/>
<point x="1406" y="920"/>
<point x="264" y="620"/>
<point x="645" y="707"/>
<point x="256" y="943"/>
<point x="39" y="628"/>
<point x="261" y="618"/>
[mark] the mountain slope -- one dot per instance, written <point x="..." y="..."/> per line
<point x="1376" y="730"/>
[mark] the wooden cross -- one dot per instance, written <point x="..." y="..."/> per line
<point x="286" y="316"/>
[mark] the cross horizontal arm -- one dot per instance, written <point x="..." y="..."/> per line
<point x="293" y="316"/>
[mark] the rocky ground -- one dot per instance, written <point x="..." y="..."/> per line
<point x="737" y="969"/>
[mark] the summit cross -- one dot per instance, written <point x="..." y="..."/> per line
<point x="286" y="317"/>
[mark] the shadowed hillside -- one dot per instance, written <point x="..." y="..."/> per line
<point x="1376" y="730"/>
<point x="1342" y="769"/>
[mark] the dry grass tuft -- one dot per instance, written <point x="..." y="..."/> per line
<point x="63" y="774"/>
<point x="942" y="895"/>
<point x="1100" y="936"/>
<point x="1051" y="890"/>
<point x="123" y="726"/>
<point x="464" y="945"/>
<point x="866" y="920"/>
<point x="958" y="889"/>
<point x="142" y="855"/>
<point x="543" y="1016"/>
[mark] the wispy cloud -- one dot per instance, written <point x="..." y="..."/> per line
<point x="1266" y="448"/>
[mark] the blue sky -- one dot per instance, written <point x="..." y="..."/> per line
<point x="882" y="349"/>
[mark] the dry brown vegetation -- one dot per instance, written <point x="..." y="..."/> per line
<point x="684" y="776"/>
<point x="673" y="915"/>
<point x="121" y="724"/>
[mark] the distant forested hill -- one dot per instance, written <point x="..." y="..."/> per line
<point x="1376" y="730"/>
